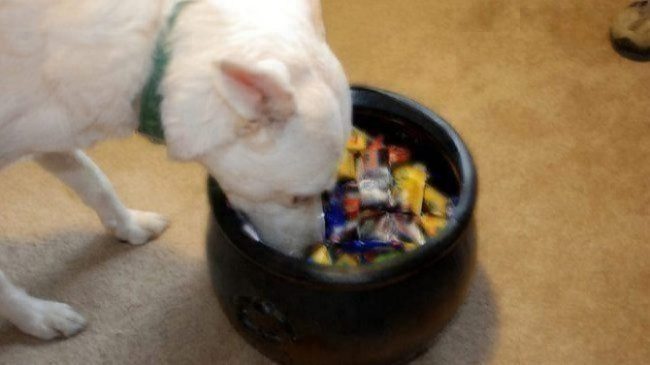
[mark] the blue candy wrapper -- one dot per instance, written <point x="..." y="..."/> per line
<point x="335" y="219"/>
<point x="359" y="246"/>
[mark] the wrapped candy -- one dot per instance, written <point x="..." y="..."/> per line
<point x="347" y="167"/>
<point x="347" y="260"/>
<point x="352" y="203"/>
<point x="320" y="256"/>
<point x="335" y="220"/>
<point x="411" y="181"/>
<point x="337" y="225"/>
<point x="432" y="224"/>
<point x="386" y="257"/>
<point x="380" y="228"/>
<point x="358" y="141"/>
<point x="375" y="156"/>
<point x="359" y="246"/>
<point x="381" y="208"/>
<point x="374" y="176"/>
<point x="409" y="231"/>
<point x="408" y="247"/>
<point x="435" y="202"/>
<point x="375" y="188"/>
<point x="398" y="155"/>
<point x="352" y="207"/>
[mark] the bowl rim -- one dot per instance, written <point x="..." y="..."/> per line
<point x="380" y="274"/>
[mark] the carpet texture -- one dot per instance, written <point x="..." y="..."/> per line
<point x="559" y="126"/>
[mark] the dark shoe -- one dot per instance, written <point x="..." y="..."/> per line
<point x="630" y="31"/>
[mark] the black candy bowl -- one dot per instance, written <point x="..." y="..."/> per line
<point x="298" y="313"/>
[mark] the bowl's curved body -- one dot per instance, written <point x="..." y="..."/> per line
<point x="298" y="313"/>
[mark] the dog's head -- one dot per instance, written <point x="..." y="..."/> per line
<point x="290" y="132"/>
<point x="268" y="116"/>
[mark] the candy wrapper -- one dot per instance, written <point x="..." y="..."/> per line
<point x="398" y="155"/>
<point x="383" y="206"/>
<point x="435" y="202"/>
<point x="374" y="193"/>
<point x="320" y="256"/>
<point x="351" y="201"/>
<point x="358" y="141"/>
<point x="346" y="260"/>
<point x="432" y="224"/>
<point x="347" y="167"/>
<point x="411" y="181"/>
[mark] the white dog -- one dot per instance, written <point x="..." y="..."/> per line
<point x="251" y="91"/>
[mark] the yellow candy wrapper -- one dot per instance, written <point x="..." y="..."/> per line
<point x="358" y="141"/>
<point x="348" y="166"/>
<point x="411" y="181"/>
<point x="321" y="256"/>
<point x="432" y="224"/>
<point x="435" y="202"/>
<point x="347" y="261"/>
<point x="408" y="246"/>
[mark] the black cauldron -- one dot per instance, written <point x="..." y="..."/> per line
<point x="388" y="313"/>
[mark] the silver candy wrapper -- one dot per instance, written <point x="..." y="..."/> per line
<point x="375" y="188"/>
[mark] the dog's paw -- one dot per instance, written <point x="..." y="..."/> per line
<point x="48" y="320"/>
<point x="141" y="227"/>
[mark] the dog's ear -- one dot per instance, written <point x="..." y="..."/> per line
<point x="316" y="14"/>
<point x="258" y="92"/>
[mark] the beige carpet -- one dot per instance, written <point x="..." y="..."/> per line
<point x="560" y="128"/>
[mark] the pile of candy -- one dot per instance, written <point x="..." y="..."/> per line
<point x="382" y="205"/>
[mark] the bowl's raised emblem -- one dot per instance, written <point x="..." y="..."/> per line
<point x="262" y="318"/>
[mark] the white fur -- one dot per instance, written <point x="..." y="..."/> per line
<point x="252" y="92"/>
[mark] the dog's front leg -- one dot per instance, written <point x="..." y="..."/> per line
<point x="80" y="173"/>
<point x="41" y="318"/>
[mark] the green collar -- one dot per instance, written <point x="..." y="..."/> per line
<point x="150" y="98"/>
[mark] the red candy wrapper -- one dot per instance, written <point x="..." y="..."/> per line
<point x="376" y="143"/>
<point x="398" y="155"/>
<point x="352" y="206"/>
